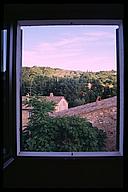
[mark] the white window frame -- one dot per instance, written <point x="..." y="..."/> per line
<point x="121" y="84"/>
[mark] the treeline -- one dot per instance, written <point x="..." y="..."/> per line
<point x="73" y="85"/>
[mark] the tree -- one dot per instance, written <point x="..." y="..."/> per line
<point x="71" y="85"/>
<point x="106" y="92"/>
<point x="45" y="133"/>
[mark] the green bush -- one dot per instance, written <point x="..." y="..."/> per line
<point x="60" y="134"/>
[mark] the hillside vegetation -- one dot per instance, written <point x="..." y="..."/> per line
<point x="73" y="85"/>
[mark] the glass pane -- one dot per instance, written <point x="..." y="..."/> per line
<point x="3" y="50"/>
<point x="7" y="152"/>
<point x="69" y="88"/>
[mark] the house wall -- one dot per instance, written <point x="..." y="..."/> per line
<point x="25" y="116"/>
<point x="105" y="119"/>
<point x="62" y="105"/>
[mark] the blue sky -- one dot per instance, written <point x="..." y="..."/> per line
<point x="82" y="47"/>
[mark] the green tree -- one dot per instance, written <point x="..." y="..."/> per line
<point x="70" y="84"/>
<point x="45" y="133"/>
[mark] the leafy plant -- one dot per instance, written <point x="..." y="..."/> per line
<point x="45" y="133"/>
<point x="70" y="84"/>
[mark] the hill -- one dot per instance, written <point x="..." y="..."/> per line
<point x="57" y="72"/>
<point x="73" y="85"/>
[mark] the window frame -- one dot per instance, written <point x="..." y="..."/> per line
<point x="7" y="107"/>
<point x="18" y="85"/>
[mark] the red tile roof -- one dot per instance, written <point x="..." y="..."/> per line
<point x="87" y="108"/>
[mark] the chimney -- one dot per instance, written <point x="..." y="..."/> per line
<point x="51" y="94"/>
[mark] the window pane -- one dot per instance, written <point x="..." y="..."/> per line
<point x="3" y="50"/>
<point x="69" y="88"/>
<point x="7" y="152"/>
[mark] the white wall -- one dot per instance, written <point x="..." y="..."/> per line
<point x="62" y="105"/>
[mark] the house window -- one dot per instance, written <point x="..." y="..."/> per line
<point x="92" y="49"/>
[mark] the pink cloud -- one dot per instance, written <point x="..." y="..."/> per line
<point x="68" y="53"/>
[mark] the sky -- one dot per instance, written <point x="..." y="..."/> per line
<point x="75" y="47"/>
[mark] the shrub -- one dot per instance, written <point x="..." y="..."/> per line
<point x="60" y="134"/>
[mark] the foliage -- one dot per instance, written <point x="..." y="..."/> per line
<point x="70" y="84"/>
<point x="45" y="133"/>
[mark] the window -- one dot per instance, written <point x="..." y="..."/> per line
<point x="107" y="92"/>
<point x="7" y="135"/>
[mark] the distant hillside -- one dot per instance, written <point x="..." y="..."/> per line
<point x="73" y="85"/>
<point x="57" y="72"/>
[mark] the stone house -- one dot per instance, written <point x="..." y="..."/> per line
<point x="60" y="101"/>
